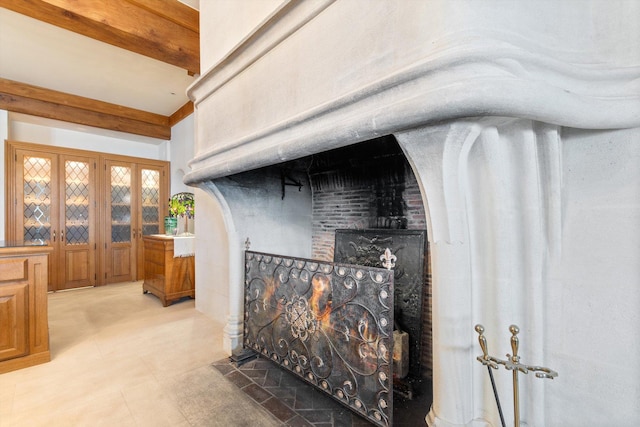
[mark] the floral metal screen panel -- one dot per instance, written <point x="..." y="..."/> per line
<point x="331" y="324"/>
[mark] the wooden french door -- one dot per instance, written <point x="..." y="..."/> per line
<point x="121" y="227"/>
<point x="78" y="213"/>
<point x="56" y="203"/>
<point x="153" y="198"/>
<point x="136" y="199"/>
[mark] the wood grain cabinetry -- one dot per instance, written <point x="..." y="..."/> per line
<point x="92" y="208"/>
<point x="165" y="276"/>
<point x="24" y="328"/>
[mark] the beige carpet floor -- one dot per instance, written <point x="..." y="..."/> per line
<point x="121" y="359"/>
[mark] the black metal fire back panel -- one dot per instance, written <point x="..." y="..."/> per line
<point x="331" y="324"/>
<point x="363" y="247"/>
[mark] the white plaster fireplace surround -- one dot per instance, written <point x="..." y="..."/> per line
<point x="521" y="120"/>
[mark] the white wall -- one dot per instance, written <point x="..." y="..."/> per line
<point x="228" y="22"/>
<point x="36" y="130"/>
<point x="181" y="151"/>
<point x="594" y="302"/>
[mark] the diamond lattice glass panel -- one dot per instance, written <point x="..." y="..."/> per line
<point x="150" y="201"/>
<point x="37" y="198"/>
<point x="77" y="202"/>
<point x="330" y="324"/>
<point x="120" y="204"/>
<point x="150" y="229"/>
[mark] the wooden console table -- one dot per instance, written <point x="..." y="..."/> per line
<point x="24" y="338"/>
<point x="165" y="276"/>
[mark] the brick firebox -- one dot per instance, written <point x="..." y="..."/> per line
<point x="364" y="187"/>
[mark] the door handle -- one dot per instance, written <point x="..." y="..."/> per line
<point x="54" y="235"/>
<point x="62" y="235"/>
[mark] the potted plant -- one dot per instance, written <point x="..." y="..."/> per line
<point x="182" y="208"/>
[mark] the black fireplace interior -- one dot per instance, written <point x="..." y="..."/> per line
<point x="365" y="198"/>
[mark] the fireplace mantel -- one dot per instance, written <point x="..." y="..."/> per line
<point x="425" y="77"/>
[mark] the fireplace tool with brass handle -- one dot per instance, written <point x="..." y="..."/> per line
<point x="511" y="364"/>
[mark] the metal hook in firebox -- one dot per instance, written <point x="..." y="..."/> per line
<point x="287" y="180"/>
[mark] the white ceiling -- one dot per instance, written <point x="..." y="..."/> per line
<point x="44" y="55"/>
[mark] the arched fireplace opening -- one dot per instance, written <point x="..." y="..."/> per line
<point x="364" y="197"/>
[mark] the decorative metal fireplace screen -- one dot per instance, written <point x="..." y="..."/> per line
<point x="363" y="247"/>
<point x="331" y="324"/>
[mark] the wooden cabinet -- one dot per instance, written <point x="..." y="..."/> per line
<point x="92" y="208"/>
<point x="24" y="329"/>
<point x="165" y="276"/>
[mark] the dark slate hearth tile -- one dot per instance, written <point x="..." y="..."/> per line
<point x="298" y="421"/>
<point x="273" y="378"/>
<point x="287" y="395"/>
<point x="322" y="400"/>
<point x="281" y="392"/>
<point x="304" y="397"/>
<point x="256" y="364"/>
<point x="285" y="391"/>
<point x="290" y="380"/>
<point x="224" y="369"/>
<point x="345" y="418"/>
<point x="316" y="416"/>
<point x="257" y="393"/>
<point x="357" y="421"/>
<point x="238" y="379"/>
<point x="258" y="375"/>
<point x="279" y="409"/>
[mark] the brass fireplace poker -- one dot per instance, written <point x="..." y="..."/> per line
<point x="511" y="364"/>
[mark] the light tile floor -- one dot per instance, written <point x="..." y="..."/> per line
<point x="121" y="359"/>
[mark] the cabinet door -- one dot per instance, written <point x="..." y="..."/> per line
<point x="77" y="241"/>
<point x="14" y="320"/>
<point x="120" y="257"/>
<point x="152" y="206"/>
<point x="37" y="202"/>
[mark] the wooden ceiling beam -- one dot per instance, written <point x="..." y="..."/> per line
<point x="37" y="101"/>
<point x="166" y="30"/>
<point x="174" y="11"/>
<point x="181" y="113"/>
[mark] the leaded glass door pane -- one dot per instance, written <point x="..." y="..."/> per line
<point x="77" y="216"/>
<point x="37" y="198"/>
<point x="150" y="197"/>
<point x="120" y="204"/>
